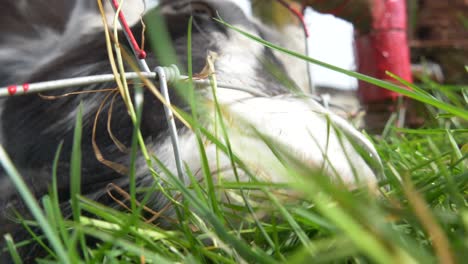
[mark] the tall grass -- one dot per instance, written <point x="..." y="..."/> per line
<point x="420" y="217"/>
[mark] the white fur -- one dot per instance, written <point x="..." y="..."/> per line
<point x="295" y="126"/>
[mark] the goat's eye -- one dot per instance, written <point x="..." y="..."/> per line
<point x="202" y="9"/>
<point x="195" y="8"/>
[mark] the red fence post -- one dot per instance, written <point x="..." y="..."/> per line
<point x="381" y="45"/>
<point x="384" y="48"/>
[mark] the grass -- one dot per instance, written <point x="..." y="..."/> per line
<point x="421" y="216"/>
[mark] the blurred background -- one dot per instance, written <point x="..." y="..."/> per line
<point x="437" y="32"/>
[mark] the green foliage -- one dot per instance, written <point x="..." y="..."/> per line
<point x="420" y="216"/>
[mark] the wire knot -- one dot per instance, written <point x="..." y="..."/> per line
<point x="172" y="73"/>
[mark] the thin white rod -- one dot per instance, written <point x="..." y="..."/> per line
<point x="139" y="98"/>
<point x="170" y="122"/>
<point x="103" y="78"/>
<point x="14" y="90"/>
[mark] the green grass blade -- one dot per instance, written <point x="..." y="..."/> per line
<point x="387" y="85"/>
<point x="33" y="206"/>
<point x="75" y="166"/>
<point x="75" y="177"/>
<point x="12" y="249"/>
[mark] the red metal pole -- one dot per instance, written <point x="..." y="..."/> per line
<point x="384" y="48"/>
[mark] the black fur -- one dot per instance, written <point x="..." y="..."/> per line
<point x="33" y="127"/>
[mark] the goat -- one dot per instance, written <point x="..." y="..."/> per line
<point x="61" y="42"/>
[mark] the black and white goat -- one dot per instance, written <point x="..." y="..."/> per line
<point x="50" y="40"/>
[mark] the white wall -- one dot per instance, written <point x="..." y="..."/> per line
<point x="332" y="42"/>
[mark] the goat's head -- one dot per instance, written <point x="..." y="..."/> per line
<point x="301" y="129"/>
